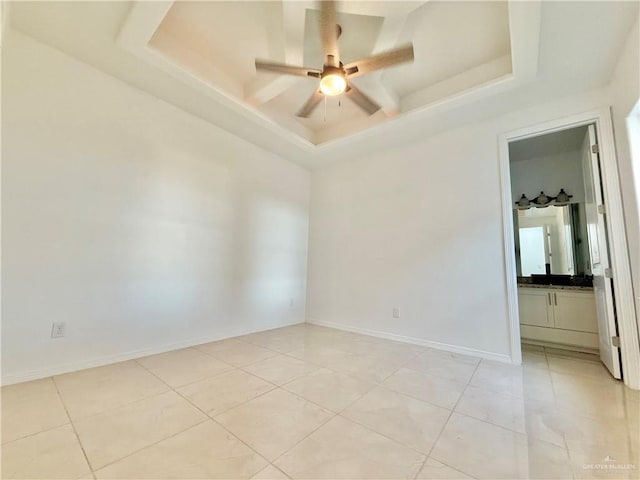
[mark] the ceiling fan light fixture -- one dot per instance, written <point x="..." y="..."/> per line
<point x="333" y="83"/>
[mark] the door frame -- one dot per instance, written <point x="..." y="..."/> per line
<point x="618" y="249"/>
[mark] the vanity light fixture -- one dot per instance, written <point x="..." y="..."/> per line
<point x="542" y="200"/>
<point x="563" y="198"/>
<point x="523" y="202"/>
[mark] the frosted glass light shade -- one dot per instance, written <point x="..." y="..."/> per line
<point x="333" y="84"/>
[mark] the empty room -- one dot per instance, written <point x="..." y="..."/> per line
<point x="320" y="239"/>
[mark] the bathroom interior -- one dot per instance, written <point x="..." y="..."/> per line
<point x="556" y="191"/>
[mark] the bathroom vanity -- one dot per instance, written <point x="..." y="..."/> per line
<point x="563" y="315"/>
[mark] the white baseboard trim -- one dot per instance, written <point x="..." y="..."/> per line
<point x="415" y="341"/>
<point x="50" y="370"/>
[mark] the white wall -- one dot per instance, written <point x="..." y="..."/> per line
<point x="623" y="95"/>
<point x="140" y="226"/>
<point x="549" y="174"/>
<point x="420" y="227"/>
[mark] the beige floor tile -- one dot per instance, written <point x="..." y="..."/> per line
<point x="278" y="340"/>
<point x="227" y="390"/>
<point x="590" y="396"/>
<point x="368" y="367"/>
<point x="504" y="410"/>
<point x="52" y="454"/>
<point x="29" y="408"/>
<point x="536" y="419"/>
<point x="236" y="352"/>
<point x="531" y="383"/>
<point x="487" y="451"/>
<point x="331" y="390"/>
<point x="445" y="364"/>
<point x="412" y="422"/>
<point x="599" y="439"/>
<point x="320" y="354"/>
<point x="281" y="369"/>
<point x="543" y="422"/>
<point x="574" y="366"/>
<point x="270" y="473"/>
<point x="96" y="390"/>
<point x="511" y="422"/>
<point x="437" y="390"/>
<point x="204" y="451"/>
<point x="274" y="422"/>
<point x="342" y="449"/>
<point x="534" y="359"/>
<point x="434" y="470"/>
<point x="111" y="435"/>
<point x="384" y="348"/>
<point x="540" y="420"/>
<point x="183" y="366"/>
<point x="632" y="395"/>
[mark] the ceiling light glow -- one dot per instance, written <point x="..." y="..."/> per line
<point x="333" y="84"/>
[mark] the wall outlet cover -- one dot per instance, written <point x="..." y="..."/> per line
<point x="58" y="329"/>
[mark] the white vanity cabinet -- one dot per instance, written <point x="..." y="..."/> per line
<point x="559" y="316"/>
<point x="536" y="307"/>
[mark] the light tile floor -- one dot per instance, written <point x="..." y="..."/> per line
<point x="315" y="403"/>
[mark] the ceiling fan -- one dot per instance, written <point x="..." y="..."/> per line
<point x="334" y="76"/>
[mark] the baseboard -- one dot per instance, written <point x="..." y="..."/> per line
<point x="61" y="368"/>
<point x="415" y="341"/>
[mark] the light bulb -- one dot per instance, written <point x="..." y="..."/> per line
<point x="333" y="84"/>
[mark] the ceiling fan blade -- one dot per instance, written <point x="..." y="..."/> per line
<point x="380" y="61"/>
<point x="362" y="100"/>
<point x="287" y="69"/>
<point x="308" y="108"/>
<point x="329" y="32"/>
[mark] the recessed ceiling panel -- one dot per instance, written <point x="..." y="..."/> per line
<point x="218" y="42"/>
<point x="450" y="39"/>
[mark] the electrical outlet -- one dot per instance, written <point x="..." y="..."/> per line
<point x="396" y="312"/>
<point x="58" y="329"/>
<point x="291" y="303"/>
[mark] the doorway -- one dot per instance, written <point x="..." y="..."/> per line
<point x="565" y="302"/>
<point x="564" y="238"/>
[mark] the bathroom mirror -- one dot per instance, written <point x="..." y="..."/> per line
<point x="551" y="240"/>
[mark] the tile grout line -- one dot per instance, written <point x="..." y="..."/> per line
<point x="564" y="436"/>
<point x="131" y="403"/>
<point x="435" y="442"/>
<point x="264" y="393"/>
<point x="374" y="385"/>
<point x="75" y="431"/>
<point x="207" y="419"/>
<point x="150" y="445"/>
<point x="29" y="435"/>
<point x="109" y="409"/>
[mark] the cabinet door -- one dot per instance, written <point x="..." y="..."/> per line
<point x="535" y="306"/>
<point x="576" y="311"/>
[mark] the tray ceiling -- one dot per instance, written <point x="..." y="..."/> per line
<point x="458" y="76"/>
<point x="459" y="47"/>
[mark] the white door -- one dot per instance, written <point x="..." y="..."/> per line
<point x="598" y="253"/>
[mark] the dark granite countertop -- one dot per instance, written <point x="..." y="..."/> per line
<point x="555" y="287"/>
